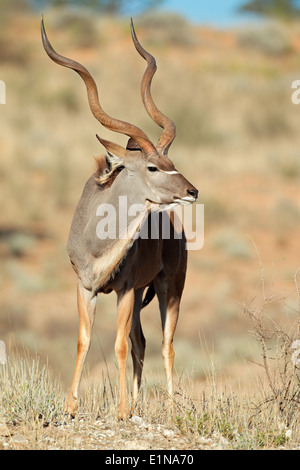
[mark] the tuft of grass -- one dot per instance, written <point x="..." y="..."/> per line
<point x="279" y="347"/>
<point x="233" y="421"/>
<point x="270" y="38"/>
<point x="19" y="243"/>
<point x="286" y="165"/>
<point x="28" y="394"/>
<point x="166" y="27"/>
<point x="231" y="243"/>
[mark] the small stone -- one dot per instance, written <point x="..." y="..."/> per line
<point x="149" y="436"/>
<point x="137" y="420"/>
<point x="206" y="441"/>
<point x="136" y="445"/>
<point x="18" y="439"/>
<point x="169" y="434"/>
<point x="4" y="431"/>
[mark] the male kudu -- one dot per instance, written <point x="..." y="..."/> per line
<point x="144" y="174"/>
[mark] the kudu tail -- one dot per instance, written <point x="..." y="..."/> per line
<point x="149" y="295"/>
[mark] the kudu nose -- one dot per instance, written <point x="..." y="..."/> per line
<point x="193" y="192"/>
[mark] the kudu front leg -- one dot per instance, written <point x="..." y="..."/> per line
<point x="86" y="303"/>
<point x="125" y="311"/>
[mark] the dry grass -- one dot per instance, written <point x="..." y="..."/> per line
<point x="212" y="416"/>
<point x="32" y="407"/>
<point x="28" y="394"/>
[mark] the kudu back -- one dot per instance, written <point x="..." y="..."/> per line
<point x="131" y="186"/>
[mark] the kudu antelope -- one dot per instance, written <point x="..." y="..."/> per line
<point x="145" y="175"/>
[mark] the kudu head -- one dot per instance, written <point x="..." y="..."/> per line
<point x="142" y="167"/>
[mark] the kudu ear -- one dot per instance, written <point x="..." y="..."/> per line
<point x="109" y="166"/>
<point x="112" y="148"/>
<point x="108" y="169"/>
<point x="132" y="144"/>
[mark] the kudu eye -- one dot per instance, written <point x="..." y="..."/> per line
<point x="152" y="168"/>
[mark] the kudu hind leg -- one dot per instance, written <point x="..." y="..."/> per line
<point x="169" y="303"/>
<point x="125" y="312"/>
<point x="138" y="347"/>
<point x="86" y="303"/>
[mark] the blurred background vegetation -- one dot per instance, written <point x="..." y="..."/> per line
<point x="281" y="9"/>
<point x="229" y="92"/>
